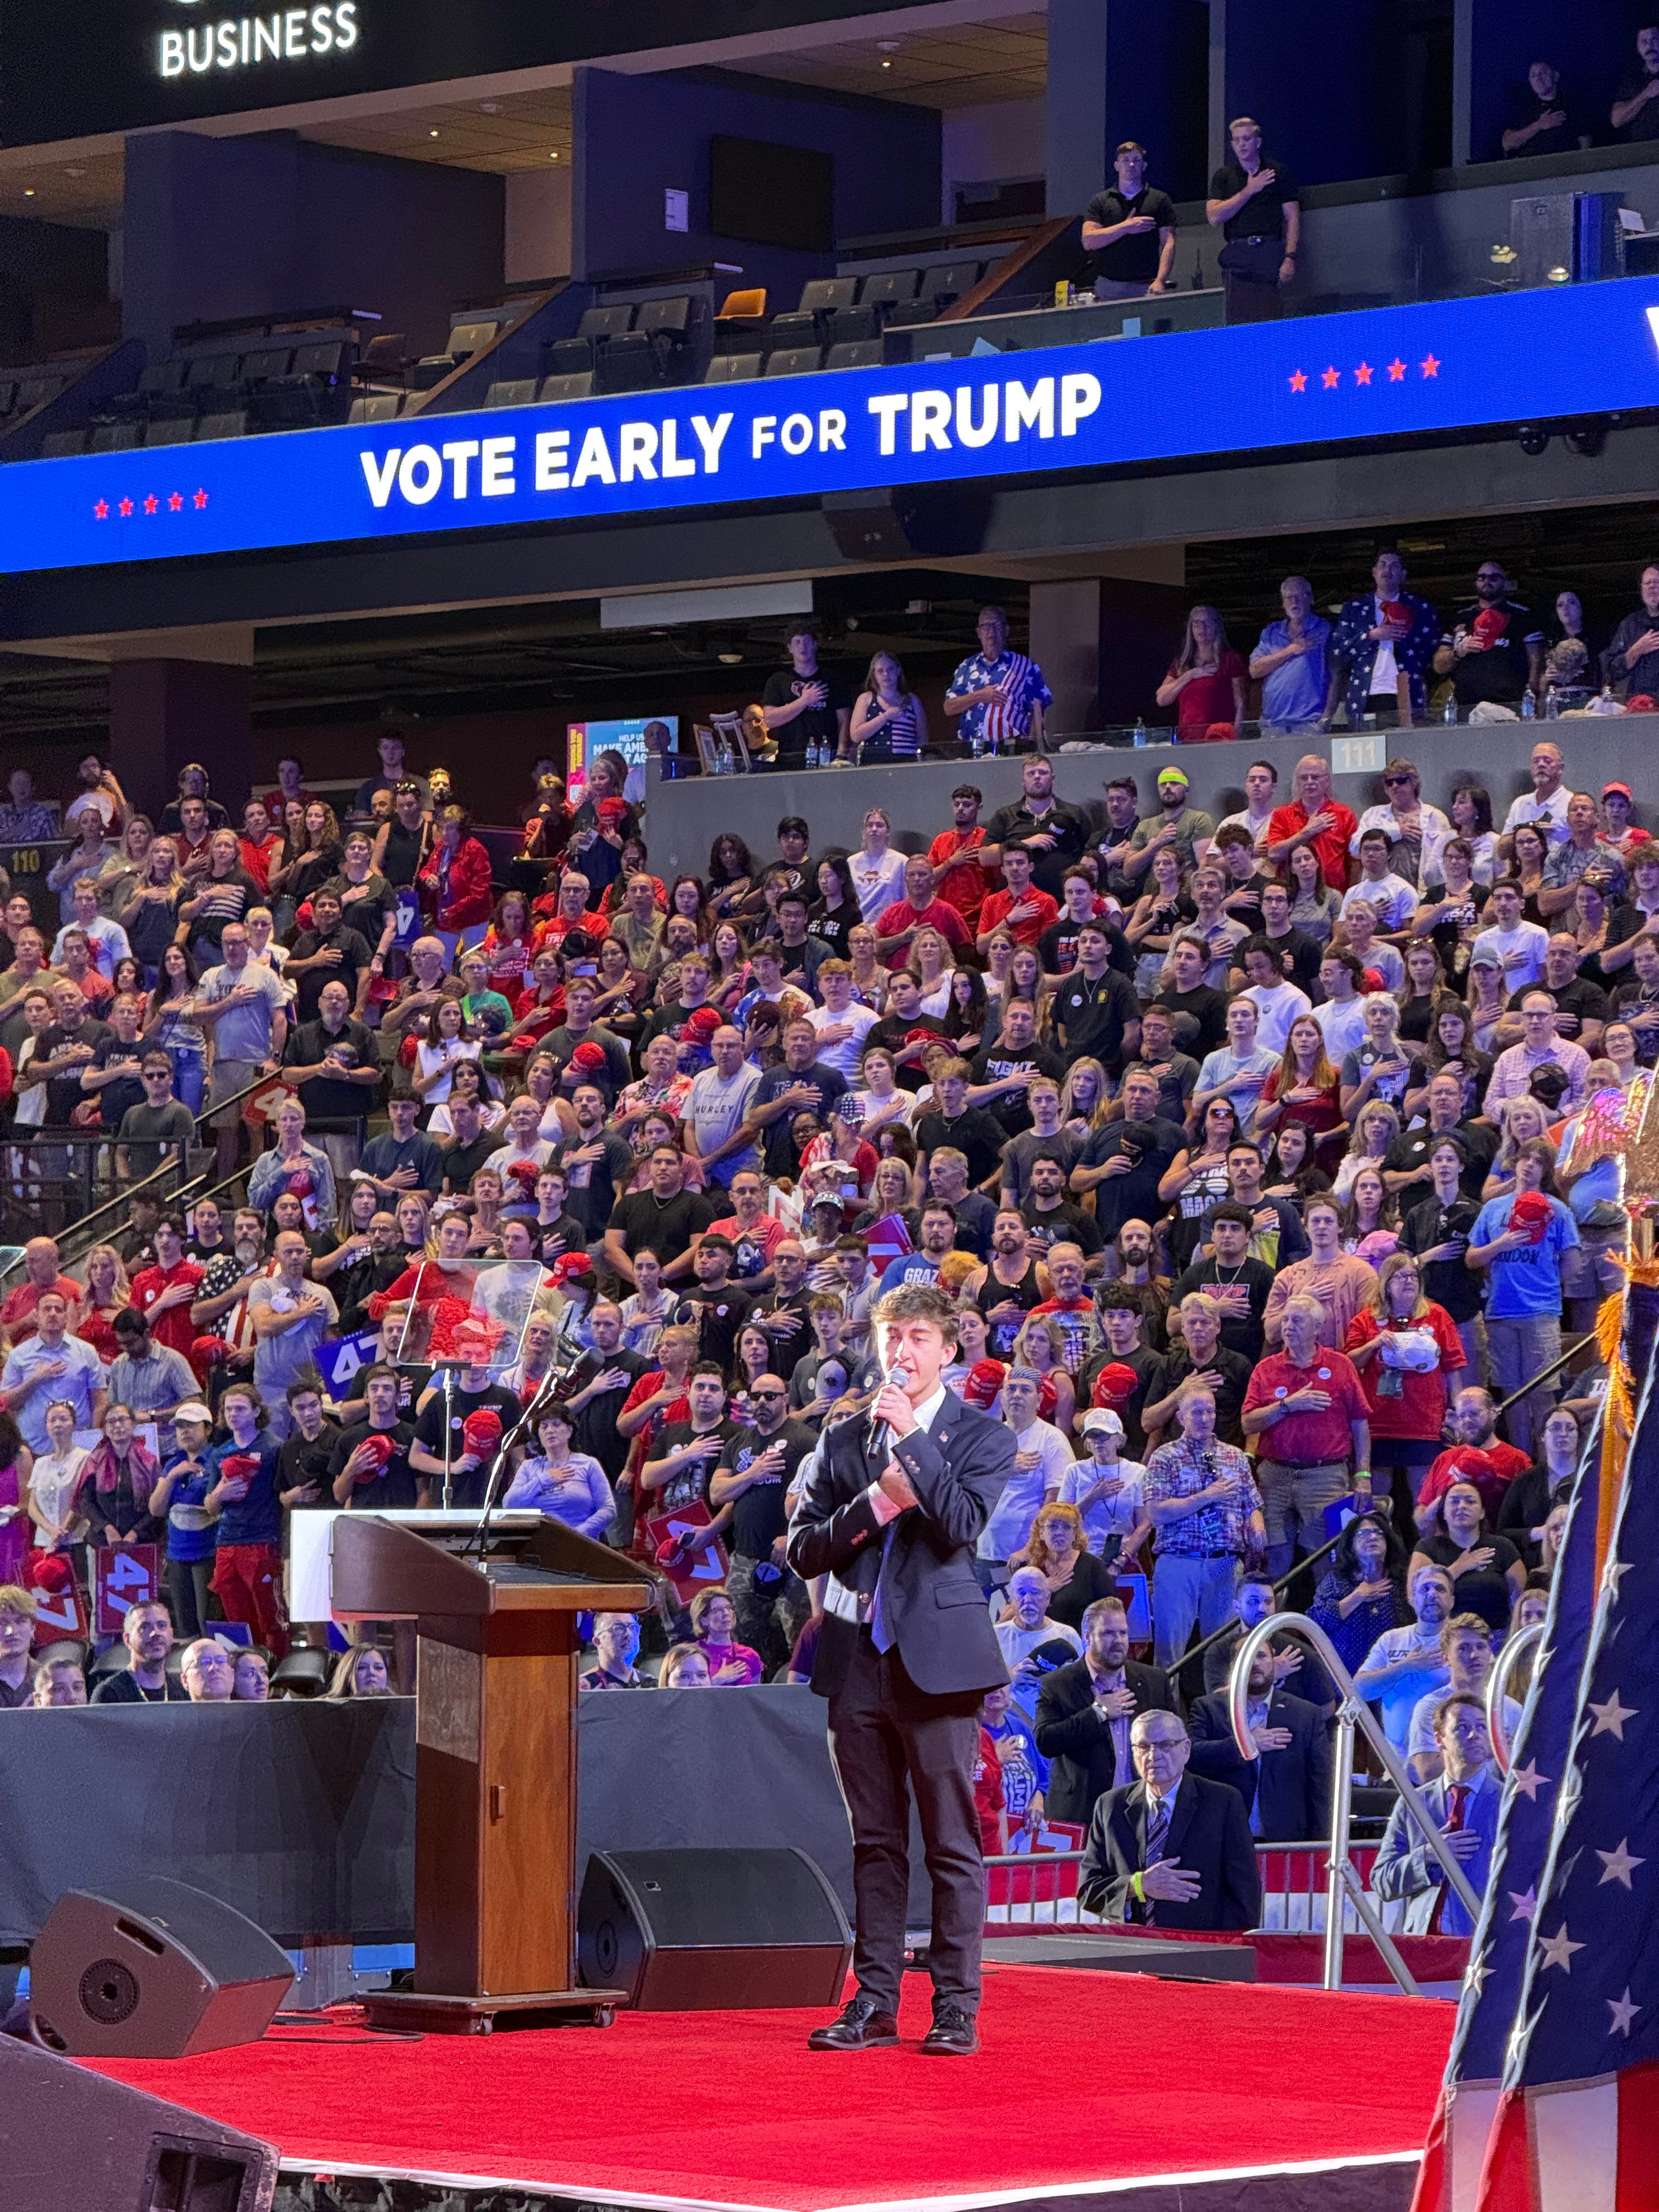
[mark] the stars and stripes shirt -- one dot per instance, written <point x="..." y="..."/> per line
<point x="1019" y="681"/>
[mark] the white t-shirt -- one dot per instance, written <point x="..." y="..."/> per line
<point x="1520" y="952"/>
<point x="1419" y="1741"/>
<point x="1391" y="896"/>
<point x="1550" y="814"/>
<point x="1275" y="1010"/>
<point x="1342" y="1026"/>
<point x="1398" y="1698"/>
<point x="844" y="1057"/>
<point x="52" y="1480"/>
<point x="879" y="880"/>
<point x="1023" y="1494"/>
<point x="714" y="1107"/>
<point x="1107" y="1516"/>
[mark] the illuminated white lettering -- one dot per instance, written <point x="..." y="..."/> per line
<point x="345" y="27"/>
<point x="594" y="460"/>
<point x="930" y="420"/>
<point x="172" y="53"/>
<point x="381" y="475"/>
<point x="247" y="32"/>
<point x="887" y="407"/>
<point x="638" y="444"/>
<point x="553" y="460"/>
<point x="711" y="436"/>
<point x="832" y="430"/>
<point x="420" y="476"/>
<point x="322" y="30"/>
<point x="458" y="454"/>
<point x="496" y="479"/>
<point x="224" y="39"/>
<point x="294" y="34"/>
<point x="268" y="38"/>
<point x="1026" y="411"/>
<point x="199" y="68"/>
<point x="1079" y="396"/>
<point x="672" y="466"/>
<point x="967" y="431"/>
<point x="763" y="431"/>
<point x="796" y="434"/>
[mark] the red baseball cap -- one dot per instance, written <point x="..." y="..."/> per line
<point x="1531" y="1212"/>
<point x="481" y="1432"/>
<point x="570" y="1264"/>
<point x="378" y="1450"/>
<point x="1490" y="625"/>
<point x="701" y="1025"/>
<point x="590" y="1058"/>
<point x="1115" y="1384"/>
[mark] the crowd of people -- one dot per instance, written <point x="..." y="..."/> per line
<point x="1261" y="1159"/>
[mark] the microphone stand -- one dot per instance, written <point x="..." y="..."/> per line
<point x="545" y="1394"/>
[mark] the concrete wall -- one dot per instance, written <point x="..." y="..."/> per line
<point x="216" y="228"/>
<point x="537" y="220"/>
<point x="991" y="144"/>
<point x="684" y="818"/>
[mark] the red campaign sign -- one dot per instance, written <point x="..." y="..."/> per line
<point x="123" y="1575"/>
<point x="59" y="1613"/>
<point x="687" y="1569"/>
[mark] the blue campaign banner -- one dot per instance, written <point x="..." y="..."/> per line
<point x="338" y="1360"/>
<point x="1441" y="366"/>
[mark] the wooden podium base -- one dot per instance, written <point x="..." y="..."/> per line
<point x="423" y="2012"/>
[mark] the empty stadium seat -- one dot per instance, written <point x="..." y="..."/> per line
<point x="794" y="360"/>
<point x="429" y="371"/>
<point x="267" y="364"/>
<point x="856" y="353"/>
<point x="574" y="384"/>
<point x="468" y="339"/>
<point x="911" y="314"/>
<point x="301" y="1673"/>
<point x="228" y="422"/>
<point x="889" y="289"/>
<point x="647" y="353"/>
<point x="733" y="367"/>
<point x="599" y="326"/>
<point x="34" y="392"/>
<point x="796" y="327"/>
<point x="849" y="325"/>
<point x="56" y="444"/>
<point x="514" y="391"/>
<point x="740" y="326"/>
<point x="116" y="437"/>
<point x="569" y="357"/>
<point x="376" y="407"/>
<point x="828" y="295"/>
<point x="170" y="430"/>
<point x="948" y="279"/>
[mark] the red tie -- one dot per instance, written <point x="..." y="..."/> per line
<point x="1459" y="1794"/>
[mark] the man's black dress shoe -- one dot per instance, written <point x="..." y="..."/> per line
<point x="862" y="2026"/>
<point x="952" y="2035"/>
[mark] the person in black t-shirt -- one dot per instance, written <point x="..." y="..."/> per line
<point x="1097" y="1014"/>
<point x="1407" y="1168"/>
<point x="974" y="1131"/>
<point x="903" y="1020"/>
<point x="804" y="704"/>
<point x="782" y="1313"/>
<point x="474" y="1145"/>
<point x="1437" y="1232"/>
<point x="717" y="1309"/>
<point x="1254" y="204"/>
<point x="1543" y="124"/>
<point x="1494" y="648"/>
<point x="1004" y="1065"/>
<point x="1298" y="953"/>
<point x="468" y="1471"/>
<point x="330" y="950"/>
<point x="1238" y="1284"/>
<point x="666" y="1217"/>
<point x="1129" y="230"/>
<point x="598" y="1388"/>
<point x="304" y="1458"/>
<point x="369" y="1467"/>
<point x="683" y="1461"/>
<point x="753" y="1475"/>
<point x="1010" y="1288"/>
<point x="1049" y="1215"/>
<point x="408" y="1384"/>
<point x="1636" y="109"/>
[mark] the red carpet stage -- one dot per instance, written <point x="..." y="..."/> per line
<point x="1088" y="2084"/>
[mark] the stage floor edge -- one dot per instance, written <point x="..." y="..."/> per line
<point x="1380" y="2184"/>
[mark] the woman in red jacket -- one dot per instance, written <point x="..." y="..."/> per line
<point x="454" y="884"/>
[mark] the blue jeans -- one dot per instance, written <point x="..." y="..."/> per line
<point x="1185" y="1591"/>
<point x="189" y="1077"/>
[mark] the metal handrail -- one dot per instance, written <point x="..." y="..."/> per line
<point x="1508" y="1658"/>
<point x="1355" y="1713"/>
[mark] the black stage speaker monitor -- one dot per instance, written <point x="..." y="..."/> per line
<point x="161" y="1971"/>
<point x="712" y="1931"/>
<point x="71" y="2141"/>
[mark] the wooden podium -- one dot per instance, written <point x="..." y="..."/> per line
<point x="495" y="1760"/>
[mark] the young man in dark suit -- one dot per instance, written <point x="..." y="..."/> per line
<point x="1173" y="1851"/>
<point x="892" y="1516"/>
<point x="1286" y="1788"/>
<point x="1084" y="1712"/>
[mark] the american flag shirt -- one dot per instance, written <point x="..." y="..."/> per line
<point x="997" y="721"/>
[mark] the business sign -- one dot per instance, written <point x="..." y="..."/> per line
<point x="1258" y="389"/>
<point x="69" y="71"/>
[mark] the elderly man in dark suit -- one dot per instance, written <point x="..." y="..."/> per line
<point x="1286" y="1786"/>
<point x="1173" y="1851"/>
<point x="892" y="1515"/>
<point x="1084" y="1712"/>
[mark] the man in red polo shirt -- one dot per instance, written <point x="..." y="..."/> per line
<point x="1315" y="818"/>
<point x="165" y="1292"/>
<point x="922" y="908"/>
<point x="1307" y="1407"/>
<point x="39" y="1275"/>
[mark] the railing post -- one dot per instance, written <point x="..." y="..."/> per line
<point x="1336" y="1866"/>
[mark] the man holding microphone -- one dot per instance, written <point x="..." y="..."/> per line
<point x="891" y="1515"/>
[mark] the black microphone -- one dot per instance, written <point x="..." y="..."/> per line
<point x="881" y="1432"/>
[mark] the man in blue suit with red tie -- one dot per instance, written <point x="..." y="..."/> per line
<point x="892" y="1515"/>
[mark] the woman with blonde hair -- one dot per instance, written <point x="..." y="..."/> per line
<point x="1041" y="1345"/>
<point x="125" y="866"/>
<point x="148" y="902"/>
<point x="1157" y="919"/>
<point x="998" y="958"/>
<point x="360" y="1672"/>
<point x="1206" y="682"/>
<point x="1522" y="1121"/>
<point x="1076" y="1577"/>
<point x="933" y="962"/>
<point x="869" y="977"/>
<point x="889" y="722"/>
<point x="1376" y="1126"/>
<point x="107" y="1292"/>
<point x="1085" y="1098"/>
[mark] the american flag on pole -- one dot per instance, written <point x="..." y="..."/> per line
<point x="1551" y="2099"/>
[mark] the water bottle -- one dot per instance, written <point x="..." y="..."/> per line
<point x="976" y="745"/>
<point x="1529" y="706"/>
<point x="1141" y="731"/>
<point x="811" y="752"/>
<point x="1449" y="712"/>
